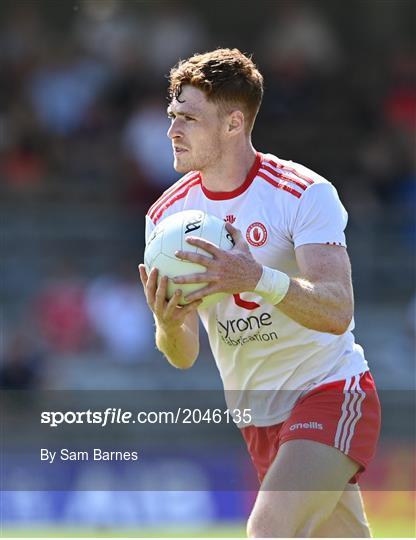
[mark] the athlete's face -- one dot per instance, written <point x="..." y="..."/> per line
<point x="196" y="131"/>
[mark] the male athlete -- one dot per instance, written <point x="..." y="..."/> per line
<point x="284" y="330"/>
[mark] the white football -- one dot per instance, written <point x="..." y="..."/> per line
<point x="170" y="236"/>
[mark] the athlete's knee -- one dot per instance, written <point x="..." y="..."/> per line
<point x="253" y="528"/>
<point x="288" y="520"/>
<point x="265" y="523"/>
<point x="257" y="528"/>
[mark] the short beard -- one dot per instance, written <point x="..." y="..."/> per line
<point x="205" y="160"/>
<point x="182" y="169"/>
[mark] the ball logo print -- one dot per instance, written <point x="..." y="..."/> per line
<point x="170" y="236"/>
<point x="256" y="234"/>
<point x="192" y="226"/>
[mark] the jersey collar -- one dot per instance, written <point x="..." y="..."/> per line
<point x="223" y="195"/>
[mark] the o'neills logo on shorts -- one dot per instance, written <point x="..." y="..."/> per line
<point x="256" y="234"/>
<point x="306" y="425"/>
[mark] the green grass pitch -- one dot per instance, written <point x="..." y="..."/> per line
<point x="381" y="529"/>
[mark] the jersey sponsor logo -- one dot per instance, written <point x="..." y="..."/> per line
<point x="256" y="234"/>
<point x="233" y="332"/>
<point x="230" y="218"/>
<point x="306" y="425"/>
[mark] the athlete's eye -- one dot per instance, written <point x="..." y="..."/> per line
<point x="189" y="118"/>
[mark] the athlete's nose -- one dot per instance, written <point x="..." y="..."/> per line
<point x="173" y="131"/>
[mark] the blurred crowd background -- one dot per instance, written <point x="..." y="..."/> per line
<point x="84" y="153"/>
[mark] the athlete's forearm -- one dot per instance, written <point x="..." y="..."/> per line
<point x="179" y="344"/>
<point x="325" y="307"/>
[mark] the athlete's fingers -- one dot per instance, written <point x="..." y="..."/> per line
<point x="190" y="307"/>
<point x="205" y="245"/>
<point x="199" y="277"/>
<point x="194" y="257"/>
<point x="235" y="234"/>
<point x="143" y="275"/>
<point x="152" y="281"/>
<point x="173" y="304"/>
<point x="150" y="288"/>
<point x="160" y="296"/>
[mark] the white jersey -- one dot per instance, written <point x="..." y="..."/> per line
<point x="280" y="206"/>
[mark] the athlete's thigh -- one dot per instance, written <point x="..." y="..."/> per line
<point x="306" y="465"/>
<point x="302" y="487"/>
<point x="348" y="520"/>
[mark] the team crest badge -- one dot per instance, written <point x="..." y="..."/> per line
<point x="230" y="218"/>
<point x="256" y="234"/>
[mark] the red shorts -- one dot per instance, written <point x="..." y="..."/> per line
<point x="344" y="414"/>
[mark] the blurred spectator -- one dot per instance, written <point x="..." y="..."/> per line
<point x="386" y="163"/>
<point x="299" y="49"/>
<point x="175" y="32"/>
<point x="118" y="312"/>
<point x="112" y="33"/>
<point x="148" y="152"/>
<point x="24" y="165"/>
<point x="146" y="144"/>
<point x="383" y="158"/>
<point x="64" y="88"/>
<point x="298" y="38"/>
<point x="22" y="35"/>
<point x="400" y="101"/>
<point x="22" y="366"/>
<point x="60" y="315"/>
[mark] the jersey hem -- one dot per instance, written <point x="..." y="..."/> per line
<point x="282" y="417"/>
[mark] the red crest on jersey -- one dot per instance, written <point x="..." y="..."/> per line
<point x="256" y="234"/>
<point x="230" y="218"/>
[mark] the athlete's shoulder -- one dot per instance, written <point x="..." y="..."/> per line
<point x="288" y="176"/>
<point x="173" y="195"/>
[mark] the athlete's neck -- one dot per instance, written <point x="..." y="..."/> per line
<point x="231" y="171"/>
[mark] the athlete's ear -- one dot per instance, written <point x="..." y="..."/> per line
<point x="235" y="122"/>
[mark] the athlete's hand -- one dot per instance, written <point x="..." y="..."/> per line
<point x="169" y="313"/>
<point x="231" y="272"/>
